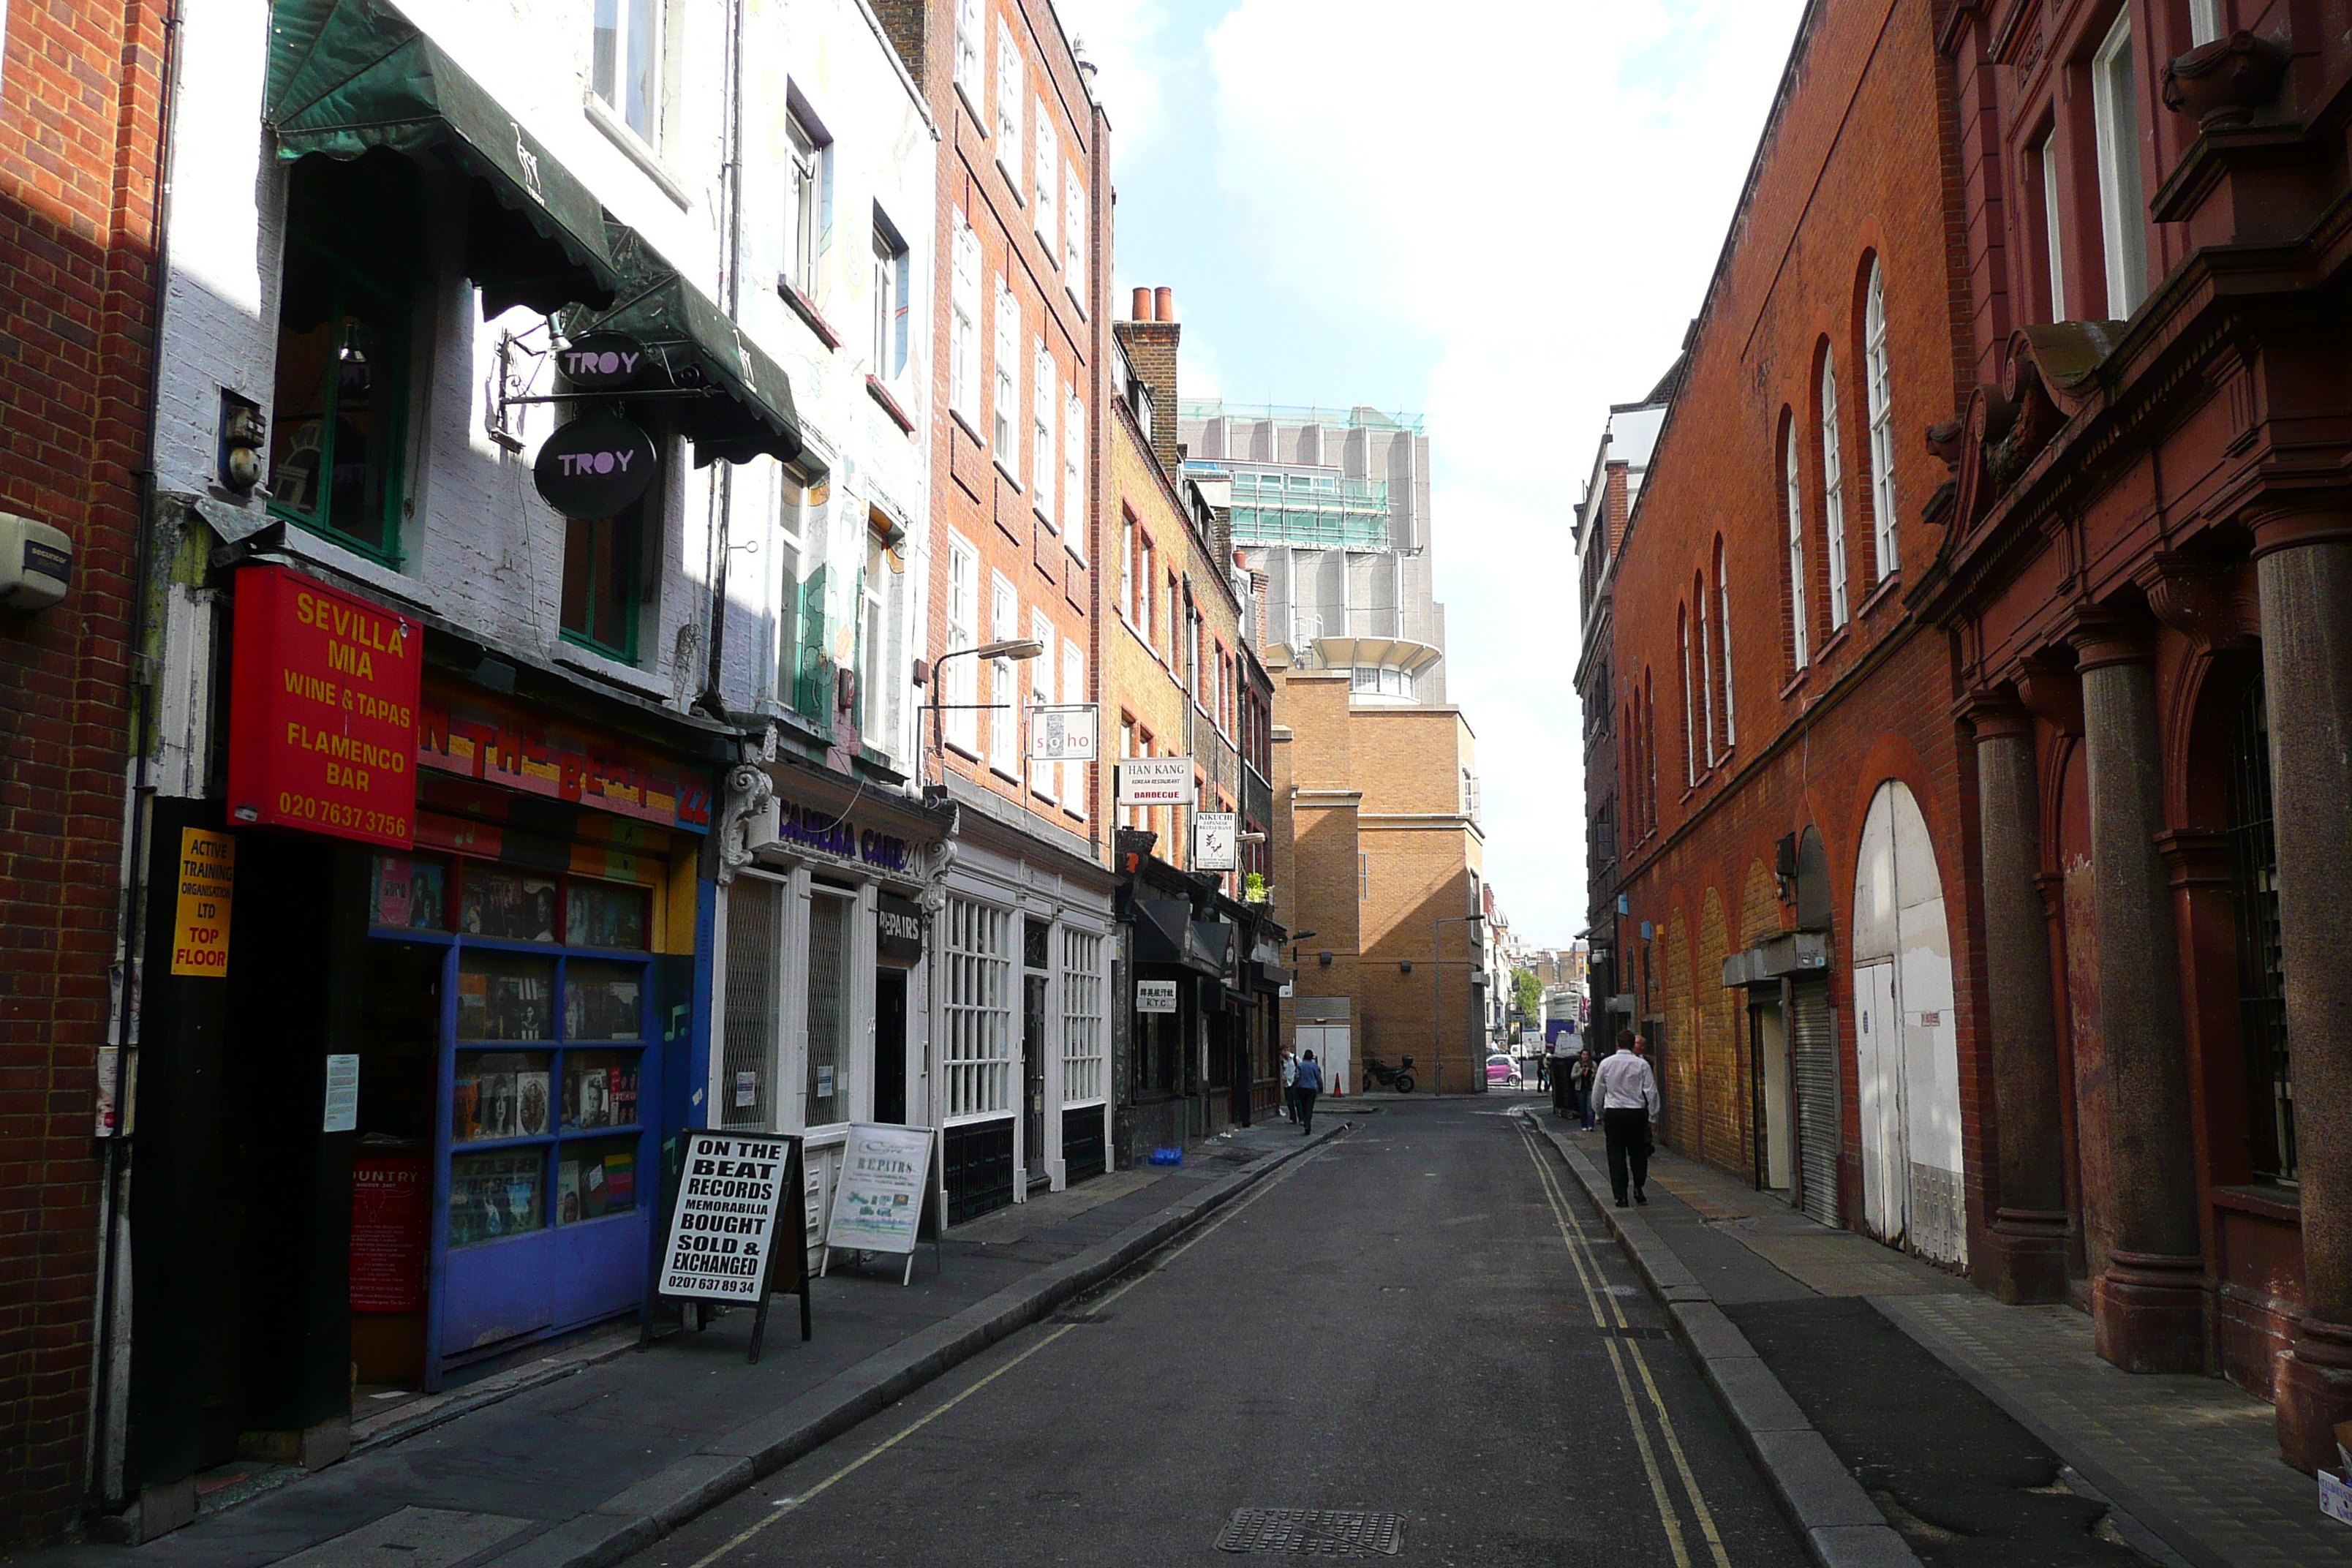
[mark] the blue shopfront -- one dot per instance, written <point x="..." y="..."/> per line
<point x="537" y="949"/>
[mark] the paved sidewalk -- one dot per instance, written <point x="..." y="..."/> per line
<point x="2188" y="1466"/>
<point x="587" y="1454"/>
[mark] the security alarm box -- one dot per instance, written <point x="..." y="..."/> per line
<point x="36" y="563"/>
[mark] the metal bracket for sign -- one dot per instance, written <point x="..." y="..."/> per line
<point x="512" y="381"/>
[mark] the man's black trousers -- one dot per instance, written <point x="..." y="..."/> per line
<point x="1628" y="1132"/>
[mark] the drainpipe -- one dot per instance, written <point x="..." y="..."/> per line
<point x="723" y="502"/>
<point x="105" y="1442"/>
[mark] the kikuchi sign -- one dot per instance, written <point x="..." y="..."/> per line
<point x="322" y="710"/>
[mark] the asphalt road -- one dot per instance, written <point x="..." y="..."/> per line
<point x="1415" y="1320"/>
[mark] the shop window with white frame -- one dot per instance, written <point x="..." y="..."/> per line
<point x="1878" y="382"/>
<point x="1084" y="1051"/>
<point x="748" y="1035"/>
<point x="1004" y="680"/>
<point x="964" y="326"/>
<point x="1044" y="777"/>
<point x="962" y="687"/>
<point x="2123" y="203"/>
<point x="1044" y="464"/>
<point x="832" y="915"/>
<point x="1047" y="161"/>
<point x="1793" y="504"/>
<point x="1011" y="89"/>
<point x="893" y="277"/>
<point x="1008" y="379"/>
<point x="1073" y="234"/>
<point x="979" y="1054"/>
<point x="877" y="589"/>
<point x="1833" y="495"/>
<point x="625" y="63"/>
<point x="807" y="206"/>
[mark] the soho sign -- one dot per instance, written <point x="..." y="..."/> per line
<point x="594" y="467"/>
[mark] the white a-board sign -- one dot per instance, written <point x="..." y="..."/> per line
<point x="878" y="1199"/>
<point x="728" y="1199"/>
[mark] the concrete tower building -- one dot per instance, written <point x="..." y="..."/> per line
<point x="1333" y="506"/>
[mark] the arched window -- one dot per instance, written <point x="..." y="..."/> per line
<point x="1793" y="504"/>
<point x="1723" y="645"/>
<point x="1650" y="748"/>
<point x="1833" y="495"/>
<point x="1876" y="382"/>
<point x="1690" y="698"/>
<point x="1705" y="665"/>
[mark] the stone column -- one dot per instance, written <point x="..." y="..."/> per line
<point x="2148" y="1306"/>
<point x="2027" y="1242"/>
<point x="2303" y="569"/>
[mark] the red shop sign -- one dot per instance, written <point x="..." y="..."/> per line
<point x="388" y="1234"/>
<point x="322" y="710"/>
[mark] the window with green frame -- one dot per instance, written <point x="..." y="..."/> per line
<point x="602" y="565"/>
<point x="338" y="423"/>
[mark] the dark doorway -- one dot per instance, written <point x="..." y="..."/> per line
<point x="891" y="1046"/>
<point x="1033" y="1072"/>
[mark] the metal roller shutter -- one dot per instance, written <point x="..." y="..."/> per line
<point x="1815" y="1034"/>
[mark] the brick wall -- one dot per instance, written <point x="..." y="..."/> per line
<point x="1844" y="176"/>
<point x="79" y="96"/>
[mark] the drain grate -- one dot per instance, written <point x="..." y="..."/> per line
<point x="1634" y="1331"/>
<point x="1313" y="1532"/>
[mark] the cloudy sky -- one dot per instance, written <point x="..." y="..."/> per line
<point x="1499" y="214"/>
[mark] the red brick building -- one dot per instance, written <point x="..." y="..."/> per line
<point x="1781" y="886"/>
<point x="79" y="98"/>
<point x="2147" y="584"/>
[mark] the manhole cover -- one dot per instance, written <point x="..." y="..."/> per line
<point x="1313" y="1532"/>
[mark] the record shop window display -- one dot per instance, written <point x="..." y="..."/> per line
<point x="338" y="421"/>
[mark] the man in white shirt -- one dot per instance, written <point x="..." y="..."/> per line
<point x="1290" y="1083"/>
<point x="1626" y="1092"/>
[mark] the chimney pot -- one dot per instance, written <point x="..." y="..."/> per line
<point x="1163" y="305"/>
<point x="1142" y="311"/>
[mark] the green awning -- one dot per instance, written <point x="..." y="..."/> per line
<point x="349" y="76"/>
<point x="695" y="344"/>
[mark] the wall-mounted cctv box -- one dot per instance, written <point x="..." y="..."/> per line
<point x="36" y="563"/>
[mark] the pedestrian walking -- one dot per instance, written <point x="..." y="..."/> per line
<point x="1579" y="1083"/>
<point x="1290" y="1083"/>
<point x="1628" y="1093"/>
<point x="1560" y="1059"/>
<point x="1308" y="1085"/>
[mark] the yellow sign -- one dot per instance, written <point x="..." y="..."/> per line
<point x="207" y="874"/>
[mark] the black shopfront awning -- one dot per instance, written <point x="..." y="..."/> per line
<point x="1167" y="934"/>
<point x="694" y="343"/>
<point x="351" y="78"/>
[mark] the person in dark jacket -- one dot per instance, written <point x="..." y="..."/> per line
<point x="1309" y="1084"/>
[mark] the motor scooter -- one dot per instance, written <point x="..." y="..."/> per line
<point x="1399" y="1079"/>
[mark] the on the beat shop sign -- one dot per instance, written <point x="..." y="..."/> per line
<point x="354" y="643"/>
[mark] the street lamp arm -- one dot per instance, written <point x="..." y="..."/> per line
<point x="1015" y="649"/>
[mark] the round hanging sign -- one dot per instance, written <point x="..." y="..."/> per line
<point x="603" y="362"/>
<point x="593" y="467"/>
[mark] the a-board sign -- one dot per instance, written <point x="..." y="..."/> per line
<point x="878" y="1199"/>
<point x="731" y="1193"/>
<point x="1155" y="997"/>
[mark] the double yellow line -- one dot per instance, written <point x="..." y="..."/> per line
<point x="1596" y="1294"/>
<point x="794" y="1504"/>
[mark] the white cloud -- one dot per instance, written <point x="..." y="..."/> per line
<point x="1126" y="39"/>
